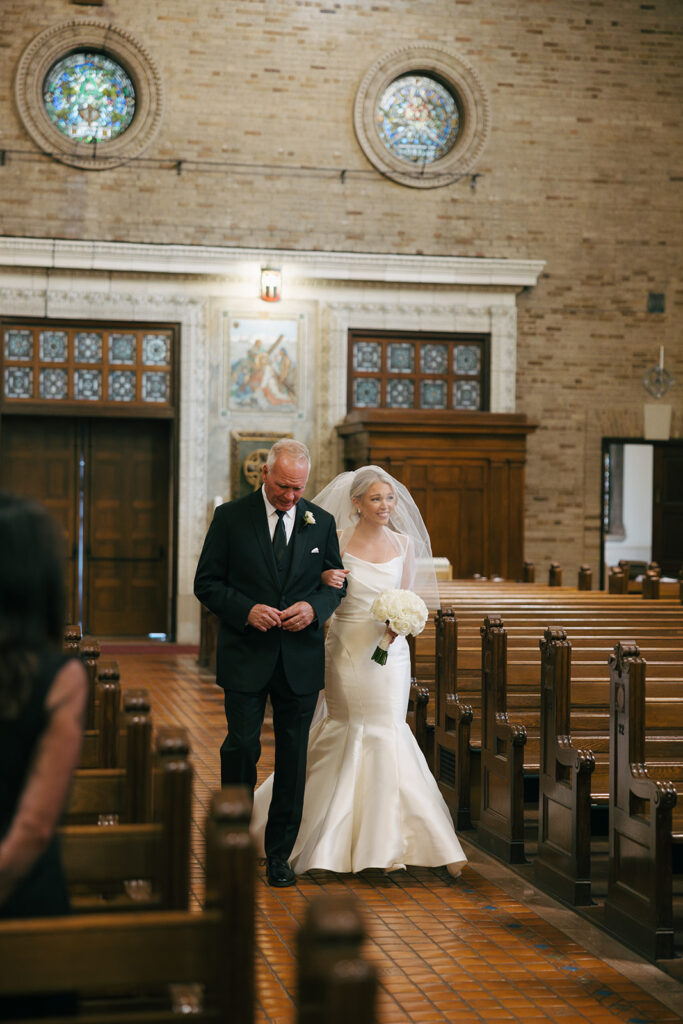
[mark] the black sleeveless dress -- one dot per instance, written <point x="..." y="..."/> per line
<point x="43" y="892"/>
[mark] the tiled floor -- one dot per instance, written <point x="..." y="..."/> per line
<point x="485" y="947"/>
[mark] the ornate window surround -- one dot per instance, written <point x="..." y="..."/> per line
<point x="472" y="100"/>
<point x="82" y="34"/>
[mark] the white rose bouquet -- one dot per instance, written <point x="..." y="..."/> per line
<point x="403" y="612"/>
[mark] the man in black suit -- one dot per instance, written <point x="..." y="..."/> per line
<point x="260" y="573"/>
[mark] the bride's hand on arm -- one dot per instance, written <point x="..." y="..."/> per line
<point x="335" y="577"/>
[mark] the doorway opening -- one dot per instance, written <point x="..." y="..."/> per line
<point x="642" y="505"/>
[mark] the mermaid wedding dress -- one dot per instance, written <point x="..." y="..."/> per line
<point x="370" y="799"/>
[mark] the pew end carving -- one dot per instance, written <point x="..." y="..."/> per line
<point x="563" y="861"/>
<point x="452" y="747"/>
<point x="501" y="823"/>
<point x="639" y="903"/>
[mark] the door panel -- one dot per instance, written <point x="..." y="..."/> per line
<point x="667" y="512"/>
<point x="39" y="460"/>
<point x="127" y="524"/>
<point x="123" y="519"/>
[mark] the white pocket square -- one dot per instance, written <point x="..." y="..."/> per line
<point x="315" y="551"/>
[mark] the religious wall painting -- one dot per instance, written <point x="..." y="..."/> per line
<point x="263" y="359"/>
<point x="248" y="453"/>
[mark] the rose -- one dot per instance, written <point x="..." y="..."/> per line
<point x="403" y="612"/>
<point x="309" y="518"/>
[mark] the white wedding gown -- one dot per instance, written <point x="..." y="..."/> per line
<point x="370" y="799"/>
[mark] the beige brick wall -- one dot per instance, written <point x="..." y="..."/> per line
<point x="582" y="169"/>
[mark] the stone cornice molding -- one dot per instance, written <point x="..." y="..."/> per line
<point x="387" y="268"/>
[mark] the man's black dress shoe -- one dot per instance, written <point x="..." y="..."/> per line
<point x="279" y="873"/>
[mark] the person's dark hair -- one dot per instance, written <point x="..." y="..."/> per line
<point x="32" y="595"/>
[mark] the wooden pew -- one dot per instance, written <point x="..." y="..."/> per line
<point x="646" y="822"/>
<point x="563" y="729"/>
<point x="453" y="753"/>
<point x="124" y="966"/>
<point x="138" y="866"/>
<point x="501" y="820"/>
<point x="124" y="793"/>
<point x="563" y="859"/>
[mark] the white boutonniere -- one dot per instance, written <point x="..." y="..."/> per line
<point x="309" y="518"/>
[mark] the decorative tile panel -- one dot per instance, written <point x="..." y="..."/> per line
<point x="53" y="346"/>
<point x="466" y="394"/>
<point x="433" y="394"/>
<point x="400" y="394"/>
<point x="155" y="387"/>
<point x="434" y="359"/>
<point x="88" y="347"/>
<point x="366" y="393"/>
<point x="18" y="382"/>
<point x="53" y="384"/>
<point x="88" y="385"/>
<point x="401" y="357"/>
<point x="122" y="386"/>
<point x="367" y="356"/>
<point x="122" y="348"/>
<point x="466" y="359"/>
<point x="156" y="350"/>
<point x="18" y="344"/>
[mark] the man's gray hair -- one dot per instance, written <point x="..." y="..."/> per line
<point x="295" y="450"/>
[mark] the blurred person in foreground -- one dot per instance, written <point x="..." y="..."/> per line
<point x="43" y="695"/>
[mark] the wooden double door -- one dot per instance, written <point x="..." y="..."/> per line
<point x="109" y="483"/>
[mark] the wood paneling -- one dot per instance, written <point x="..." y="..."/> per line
<point x="466" y="473"/>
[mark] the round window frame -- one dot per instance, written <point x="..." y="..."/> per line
<point x="57" y="42"/>
<point x="470" y="98"/>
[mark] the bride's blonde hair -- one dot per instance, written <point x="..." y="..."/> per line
<point x="363" y="478"/>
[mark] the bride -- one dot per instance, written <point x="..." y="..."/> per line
<point x="370" y="800"/>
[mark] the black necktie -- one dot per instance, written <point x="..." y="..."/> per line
<point x="279" y="537"/>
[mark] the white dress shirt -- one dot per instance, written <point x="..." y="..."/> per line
<point x="288" y="518"/>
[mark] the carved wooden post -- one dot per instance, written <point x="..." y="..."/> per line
<point x="555" y="575"/>
<point x="230" y="880"/>
<point x="72" y="638"/>
<point x="564" y="803"/>
<point x="639" y="904"/>
<point x="617" y="582"/>
<point x="501" y="825"/>
<point x="173" y="808"/>
<point x="529" y="573"/>
<point x="332" y="934"/>
<point x="585" y="578"/>
<point x="107" y="715"/>
<point x="89" y="651"/>
<point x="138" y="727"/>
<point x="452" y="750"/>
<point x="651" y="585"/>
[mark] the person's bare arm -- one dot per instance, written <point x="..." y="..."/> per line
<point x="47" y="786"/>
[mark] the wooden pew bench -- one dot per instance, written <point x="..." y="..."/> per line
<point x="139" y="866"/>
<point x="124" y="793"/>
<point x="128" y="968"/>
<point x="644" y="904"/>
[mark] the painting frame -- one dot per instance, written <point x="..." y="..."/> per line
<point x="248" y="451"/>
<point x="263" y="362"/>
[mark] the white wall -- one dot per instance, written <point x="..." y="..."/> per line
<point x="636" y="545"/>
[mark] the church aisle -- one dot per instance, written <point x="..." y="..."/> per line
<point x="486" y="947"/>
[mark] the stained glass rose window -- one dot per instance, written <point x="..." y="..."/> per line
<point x="89" y="97"/>
<point x="418" y="119"/>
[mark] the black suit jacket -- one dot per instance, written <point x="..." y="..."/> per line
<point x="236" y="570"/>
